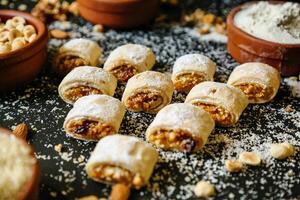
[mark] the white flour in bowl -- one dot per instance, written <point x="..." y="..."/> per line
<point x="278" y="23"/>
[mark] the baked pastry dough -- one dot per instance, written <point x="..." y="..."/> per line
<point x="86" y="80"/>
<point x="76" y="52"/>
<point x="149" y="91"/>
<point x="128" y="60"/>
<point x="122" y="159"/>
<point x="260" y="82"/>
<point x="94" y="117"/>
<point x="224" y="102"/>
<point x="180" y="127"/>
<point x="191" y="69"/>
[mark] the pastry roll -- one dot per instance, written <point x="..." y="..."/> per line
<point x="128" y="60"/>
<point x="191" y="69"/>
<point x="122" y="159"/>
<point x="180" y="127"/>
<point x="94" y="117"/>
<point x="260" y="82"/>
<point x="76" y="52"/>
<point x="224" y="102"/>
<point x="148" y="91"/>
<point x="86" y="80"/>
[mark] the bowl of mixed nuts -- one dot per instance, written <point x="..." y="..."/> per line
<point x="23" y="41"/>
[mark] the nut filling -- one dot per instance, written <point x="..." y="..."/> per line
<point x="115" y="174"/>
<point x="73" y="94"/>
<point x="186" y="81"/>
<point x="67" y="63"/>
<point x="146" y="101"/>
<point x="218" y="113"/>
<point x="89" y="129"/>
<point x="255" y="91"/>
<point x="175" y="140"/>
<point x="124" y="72"/>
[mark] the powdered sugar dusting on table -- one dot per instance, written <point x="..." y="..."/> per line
<point x="63" y="174"/>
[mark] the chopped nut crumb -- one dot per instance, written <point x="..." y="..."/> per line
<point x="234" y="165"/>
<point x="58" y="148"/>
<point x="120" y="192"/>
<point x="289" y="109"/>
<point x="250" y="158"/>
<point x="282" y="150"/>
<point x="59" y="34"/>
<point x="91" y="197"/>
<point x="98" y="28"/>
<point x="204" y="189"/>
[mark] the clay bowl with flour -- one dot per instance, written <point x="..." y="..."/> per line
<point x="30" y="189"/>
<point x="244" y="47"/>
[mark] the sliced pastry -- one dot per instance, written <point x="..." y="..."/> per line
<point x="191" y="69"/>
<point x="122" y="159"/>
<point x="260" y="82"/>
<point x="94" y="117"/>
<point x="86" y="80"/>
<point x="75" y="53"/>
<point x="224" y="102"/>
<point x="128" y="60"/>
<point x="149" y="91"/>
<point x="180" y="127"/>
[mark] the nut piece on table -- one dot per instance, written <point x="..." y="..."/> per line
<point x="21" y="131"/>
<point x="204" y="189"/>
<point x="120" y="192"/>
<point x="282" y="150"/>
<point x="98" y="28"/>
<point x="250" y="158"/>
<point x="91" y="197"/>
<point x="59" y="34"/>
<point x="234" y="165"/>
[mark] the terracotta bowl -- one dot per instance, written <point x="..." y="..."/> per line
<point x="22" y="65"/>
<point x="118" y="13"/>
<point x="244" y="47"/>
<point x="30" y="190"/>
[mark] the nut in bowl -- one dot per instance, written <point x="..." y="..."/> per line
<point x="23" y="40"/>
<point x="270" y="40"/>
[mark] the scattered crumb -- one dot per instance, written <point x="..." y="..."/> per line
<point x="204" y="189"/>
<point x="289" y="109"/>
<point x="58" y="148"/>
<point x="91" y="197"/>
<point x="250" y="158"/>
<point x="234" y="165"/>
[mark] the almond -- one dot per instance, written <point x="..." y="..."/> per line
<point x="59" y="34"/>
<point x="120" y="192"/>
<point x="21" y="131"/>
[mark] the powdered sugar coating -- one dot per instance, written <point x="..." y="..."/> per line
<point x="185" y="117"/>
<point x="139" y="56"/>
<point x="194" y="63"/>
<point x="126" y="152"/>
<point x="103" y="108"/>
<point x="88" y="76"/>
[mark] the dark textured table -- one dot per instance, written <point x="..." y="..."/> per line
<point x="63" y="175"/>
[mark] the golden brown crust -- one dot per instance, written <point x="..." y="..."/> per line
<point x="218" y="113"/>
<point x="186" y="81"/>
<point x="75" y="93"/>
<point x="89" y="129"/>
<point x="255" y="91"/>
<point x="144" y="101"/>
<point x="124" y="72"/>
<point x="175" y="140"/>
<point x="67" y="63"/>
